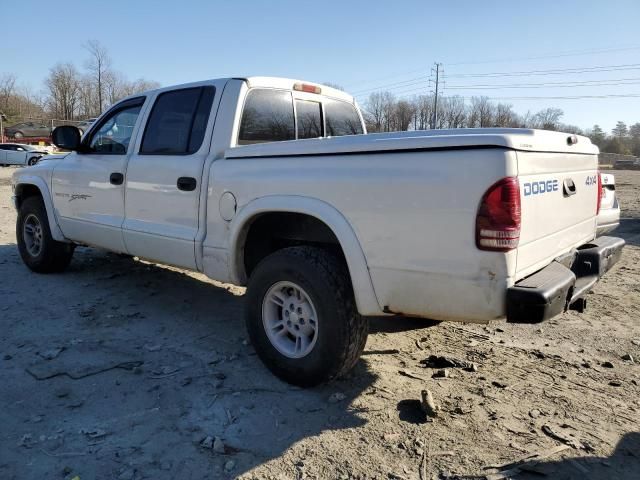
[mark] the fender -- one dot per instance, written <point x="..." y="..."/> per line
<point x="20" y="180"/>
<point x="365" y="297"/>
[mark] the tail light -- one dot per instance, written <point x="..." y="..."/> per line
<point x="498" y="219"/>
<point x="600" y="193"/>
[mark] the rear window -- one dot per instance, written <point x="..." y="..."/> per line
<point x="177" y="122"/>
<point x="309" y="119"/>
<point x="342" y="118"/>
<point x="267" y="117"/>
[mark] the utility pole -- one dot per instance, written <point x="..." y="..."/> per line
<point x="3" y="118"/>
<point x="435" y="97"/>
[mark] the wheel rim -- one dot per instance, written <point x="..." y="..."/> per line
<point x="290" y="319"/>
<point x="32" y="235"/>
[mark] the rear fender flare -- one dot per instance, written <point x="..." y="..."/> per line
<point x="365" y="297"/>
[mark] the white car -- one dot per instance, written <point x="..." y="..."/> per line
<point x="18" y="154"/>
<point x="609" y="216"/>
<point x="235" y="178"/>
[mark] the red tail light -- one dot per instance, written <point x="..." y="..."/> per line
<point x="498" y="219"/>
<point x="600" y="193"/>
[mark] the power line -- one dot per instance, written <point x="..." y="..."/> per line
<point x="386" y="77"/>
<point x="556" y="71"/>
<point x="510" y="60"/>
<point x="559" y="97"/>
<point x="419" y="80"/>
<point x="574" y="53"/>
<point x="414" y="80"/>
<point x="592" y="83"/>
<point x="569" y="97"/>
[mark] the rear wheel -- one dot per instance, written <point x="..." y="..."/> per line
<point x="18" y="135"/>
<point x="302" y="318"/>
<point x="39" y="251"/>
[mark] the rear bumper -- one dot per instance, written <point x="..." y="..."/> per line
<point x="564" y="283"/>
<point x="608" y="219"/>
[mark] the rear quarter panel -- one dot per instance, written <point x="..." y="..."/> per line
<point x="413" y="214"/>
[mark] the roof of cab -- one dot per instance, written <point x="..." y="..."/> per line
<point x="288" y="83"/>
<point x="257" y="82"/>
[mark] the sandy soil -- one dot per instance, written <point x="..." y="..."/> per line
<point x="120" y="369"/>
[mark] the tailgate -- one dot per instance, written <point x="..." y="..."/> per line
<point x="558" y="193"/>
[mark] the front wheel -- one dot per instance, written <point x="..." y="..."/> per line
<point x="32" y="161"/>
<point x="18" y="135"/>
<point x="302" y="318"/>
<point x="39" y="251"/>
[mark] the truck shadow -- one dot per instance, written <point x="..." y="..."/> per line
<point x="133" y="367"/>
<point x="623" y="464"/>
<point x="629" y="229"/>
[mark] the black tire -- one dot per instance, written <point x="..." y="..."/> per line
<point x="53" y="256"/>
<point x="18" y="135"/>
<point x="32" y="161"/>
<point x="342" y="332"/>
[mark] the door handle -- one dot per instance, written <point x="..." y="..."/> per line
<point x="187" y="184"/>
<point x="116" y="178"/>
<point x="568" y="187"/>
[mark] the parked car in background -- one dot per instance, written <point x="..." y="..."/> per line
<point x="609" y="216"/>
<point x="28" y="129"/>
<point x="17" y="154"/>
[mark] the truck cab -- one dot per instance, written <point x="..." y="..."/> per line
<point x="152" y="149"/>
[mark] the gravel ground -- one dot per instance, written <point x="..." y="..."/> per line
<point x="128" y="370"/>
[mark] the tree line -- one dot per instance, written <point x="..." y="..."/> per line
<point x="70" y="92"/>
<point x="383" y="112"/>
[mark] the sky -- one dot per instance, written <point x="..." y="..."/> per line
<point x="360" y="45"/>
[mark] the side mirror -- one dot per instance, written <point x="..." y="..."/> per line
<point x="66" y="137"/>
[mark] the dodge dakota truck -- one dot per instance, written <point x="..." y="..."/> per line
<point x="274" y="184"/>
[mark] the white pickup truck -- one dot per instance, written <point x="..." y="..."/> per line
<point x="236" y="178"/>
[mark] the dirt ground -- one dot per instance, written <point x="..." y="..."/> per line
<point x="119" y="369"/>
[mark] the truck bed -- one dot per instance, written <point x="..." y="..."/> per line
<point x="414" y="208"/>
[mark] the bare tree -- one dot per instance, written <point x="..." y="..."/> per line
<point x="64" y="86"/>
<point x="388" y="111"/>
<point x="98" y="65"/>
<point x="374" y="112"/>
<point x="455" y="112"/>
<point x="7" y="91"/>
<point x="505" y="116"/>
<point x="423" y="111"/>
<point x="403" y="114"/>
<point x="481" y="112"/>
<point x="548" y="119"/>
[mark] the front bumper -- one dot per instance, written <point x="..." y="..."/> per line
<point x="562" y="284"/>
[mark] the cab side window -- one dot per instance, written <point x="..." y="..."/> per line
<point x="113" y="135"/>
<point x="267" y="117"/>
<point x="178" y="121"/>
